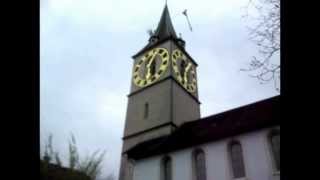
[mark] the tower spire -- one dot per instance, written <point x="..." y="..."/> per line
<point x="163" y="31"/>
<point x="165" y="28"/>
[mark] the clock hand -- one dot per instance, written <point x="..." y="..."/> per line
<point x="186" y="72"/>
<point x="149" y="64"/>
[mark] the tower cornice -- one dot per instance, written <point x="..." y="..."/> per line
<point x="174" y="40"/>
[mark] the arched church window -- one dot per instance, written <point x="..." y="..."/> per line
<point x="274" y="141"/>
<point x="199" y="165"/>
<point x="146" y="110"/>
<point x="166" y="168"/>
<point x="236" y="158"/>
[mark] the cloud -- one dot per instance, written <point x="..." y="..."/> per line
<point x="85" y="65"/>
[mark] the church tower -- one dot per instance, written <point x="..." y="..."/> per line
<point x="164" y="90"/>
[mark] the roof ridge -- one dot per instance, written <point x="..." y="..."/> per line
<point x="243" y="106"/>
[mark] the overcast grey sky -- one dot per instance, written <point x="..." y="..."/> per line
<point x="86" y="48"/>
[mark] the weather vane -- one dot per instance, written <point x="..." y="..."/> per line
<point x="185" y="13"/>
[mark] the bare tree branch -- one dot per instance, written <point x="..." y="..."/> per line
<point x="266" y="35"/>
<point x="91" y="165"/>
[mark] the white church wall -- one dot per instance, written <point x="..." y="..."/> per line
<point x="147" y="169"/>
<point x="181" y="161"/>
<point x="256" y="155"/>
<point x="217" y="166"/>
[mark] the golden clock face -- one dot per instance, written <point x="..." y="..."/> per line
<point x="184" y="70"/>
<point x="150" y="67"/>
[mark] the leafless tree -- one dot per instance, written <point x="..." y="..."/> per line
<point x="265" y="33"/>
<point x="91" y="165"/>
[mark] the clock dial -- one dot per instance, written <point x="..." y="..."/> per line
<point x="150" y="67"/>
<point x="184" y="71"/>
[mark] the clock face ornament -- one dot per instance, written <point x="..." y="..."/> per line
<point x="150" y="67"/>
<point x="184" y="70"/>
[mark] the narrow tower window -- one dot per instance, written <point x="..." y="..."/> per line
<point x="166" y="173"/>
<point x="146" y="110"/>
<point x="199" y="165"/>
<point x="236" y="158"/>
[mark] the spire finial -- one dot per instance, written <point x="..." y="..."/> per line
<point x="165" y="28"/>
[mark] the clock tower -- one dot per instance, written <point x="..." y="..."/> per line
<point x="163" y="93"/>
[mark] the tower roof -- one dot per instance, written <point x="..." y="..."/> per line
<point x="163" y="32"/>
<point x="165" y="28"/>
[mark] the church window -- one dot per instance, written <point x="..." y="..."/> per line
<point x="166" y="171"/>
<point x="146" y="110"/>
<point x="199" y="165"/>
<point x="236" y="157"/>
<point x="274" y="141"/>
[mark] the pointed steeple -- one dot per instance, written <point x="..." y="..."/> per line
<point x="163" y="32"/>
<point x="165" y="28"/>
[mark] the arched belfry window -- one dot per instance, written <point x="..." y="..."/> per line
<point x="166" y="168"/>
<point x="199" y="165"/>
<point x="236" y="159"/>
<point x="274" y="141"/>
